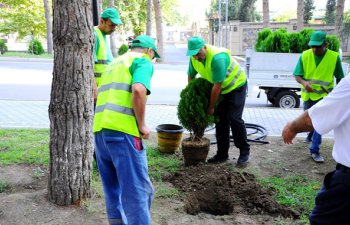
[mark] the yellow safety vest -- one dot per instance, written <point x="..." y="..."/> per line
<point x="114" y="102"/>
<point x="101" y="64"/>
<point x="320" y="77"/>
<point x="235" y="75"/>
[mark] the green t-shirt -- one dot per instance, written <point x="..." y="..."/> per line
<point x="338" y="71"/>
<point x="142" y="70"/>
<point x="97" y="45"/>
<point x="219" y="66"/>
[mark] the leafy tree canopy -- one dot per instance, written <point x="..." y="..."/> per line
<point x="308" y="10"/>
<point x="134" y="13"/>
<point x="24" y="17"/>
<point x="330" y="12"/>
<point x="244" y="11"/>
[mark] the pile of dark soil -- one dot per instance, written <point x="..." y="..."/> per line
<point x="220" y="189"/>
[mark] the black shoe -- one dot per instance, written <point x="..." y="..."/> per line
<point x="217" y="159"/>
<point x="243" y="160"/>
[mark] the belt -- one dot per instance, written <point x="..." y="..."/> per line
<point x="342" y="168"/>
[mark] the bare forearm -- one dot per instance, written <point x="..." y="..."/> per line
<point x="301" y="124"/>
<point x="215" y="93"/>
<point x="139" y="105"/>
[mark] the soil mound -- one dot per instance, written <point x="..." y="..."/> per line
<point x="220" y="189"/>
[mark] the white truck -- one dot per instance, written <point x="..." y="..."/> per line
<point x="273" y="73"/>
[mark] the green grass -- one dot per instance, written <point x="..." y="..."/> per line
<point x="27" y="55"/>
<point x="298" y="192"/>
<point x="3" y="186"/>
<point x="160" y="164"/>
<point x="24" y="146"/>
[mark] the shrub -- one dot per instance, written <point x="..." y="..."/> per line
<point x="262" y="35"/>
<point x="193" y="106"/>
<point x="123" y="49"/>
<point x="333" y="42"/>
<point x="304" y="42"/>
<point x="3" y="47"/>
<point x="277" y="41"/>
<point x="295" y="40"/>
<point x="35" y="47"/>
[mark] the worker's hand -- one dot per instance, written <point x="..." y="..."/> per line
<point x="210" y="111"/>
<point x="288" y="134"/>
<point x="308" y="87"/>
<point x="144" y="131"/>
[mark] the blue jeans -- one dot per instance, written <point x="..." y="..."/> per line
<point x="124" y="174"/>
<point x="316" y="139"/>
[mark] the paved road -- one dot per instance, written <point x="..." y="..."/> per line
<point x="23" y="79"/>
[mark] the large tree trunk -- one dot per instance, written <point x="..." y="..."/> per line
<point x="300" y="15"/>
<point x="266" y="13"/>
<point x="149" y="18"/>
<point x="71" y="104"/>
<point x="339" y="19"/>
<point x="159" y="27"/>
<point x="112" y="36"/>
<point x="48" y="26"/>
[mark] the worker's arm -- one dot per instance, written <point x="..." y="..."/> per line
<point x="301" y="124"/>
<point x="214" y="96"/>
<point x="139" y="105"/>
<point x="305" y="83"/>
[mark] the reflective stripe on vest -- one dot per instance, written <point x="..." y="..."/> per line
<point x="101" y="64"/>
<point x="114" y="102"/>
<point x="321" y="77"/>
<point x="235" y="75"/>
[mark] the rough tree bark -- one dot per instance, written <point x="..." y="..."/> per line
<point x="149" y="18"/>
<point x="159" y="27"/>
<point x="71" y="104"/>
<point x="112" y="36"/>
<point x="48" y="26"/>
<point x="339" y="19"/>
<point x="300" y="15"/>
<point x="266" y="13"/>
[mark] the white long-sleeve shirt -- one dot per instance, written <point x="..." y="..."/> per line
<point x="333" y="113"/>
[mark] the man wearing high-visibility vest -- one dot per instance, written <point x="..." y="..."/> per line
<point x="119" y="125"/>
<point x="102" y="53"/>
<point x="315" y="71"/>
<point x="218" y="67"/>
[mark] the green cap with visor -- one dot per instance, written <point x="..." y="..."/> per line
<point x="145" y="41"/>
<point x="194" y="44"/>
<point x="112" y="14"/>
<point x="317" y="38"/>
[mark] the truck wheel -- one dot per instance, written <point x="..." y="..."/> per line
<point x="287" y="99"/>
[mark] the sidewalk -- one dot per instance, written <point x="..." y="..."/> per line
<point x="34" y="114"/>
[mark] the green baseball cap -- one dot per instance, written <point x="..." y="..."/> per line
<point x="194" y="44"/>
<point x="112" y="14"/>
<point x="317" y="38"/>
<point x="145" y="41"/>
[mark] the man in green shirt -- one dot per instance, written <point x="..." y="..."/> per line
<point x="229" y="80"/>
<point x="315" y="71"/>
<point x="110" y="18"/>
<point x="119" y="127"/>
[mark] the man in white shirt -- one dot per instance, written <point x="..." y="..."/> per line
<point x="332" y="203"/>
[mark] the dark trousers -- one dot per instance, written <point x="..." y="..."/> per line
<point x="230" y="111"/>
<point x="332" y="203"/>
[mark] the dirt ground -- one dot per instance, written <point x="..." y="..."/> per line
<point x="214" y="194"/>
